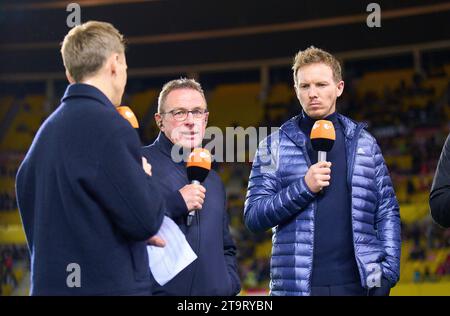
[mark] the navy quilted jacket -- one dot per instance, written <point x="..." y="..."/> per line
<point x="278" y="198"/>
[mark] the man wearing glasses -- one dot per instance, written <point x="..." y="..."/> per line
<point x="182" y="117"/>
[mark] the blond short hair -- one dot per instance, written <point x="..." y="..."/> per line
<point x="182" y="83"/>
<point x="87" y="46"/>
<point x="313" y="55"/>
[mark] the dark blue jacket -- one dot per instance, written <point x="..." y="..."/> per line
<point x="440" y="190"/>
<point x="279" y="198"/>
<point x="84" y="198"/>
<point x="214" y="272"/>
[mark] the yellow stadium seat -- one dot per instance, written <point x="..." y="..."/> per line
<point x="423" y="289"/>
<point x="411" y="212"/>
<point x="18" y="274"/>
<point x="12" y="234"/>
<point x="6" y="289"/>
<point x="141" y="102"/>
<point x="30" y="118"/>
<point x="447" y="69"/>
<point x="6" y="183"/>
<point x="378" y="81"/>
<point x="10" y="218"/>
<point x="438" y="84"/>
<point x="235" y="105"/>
<point x="263" y="250"/>
<point x="280" y="93"/>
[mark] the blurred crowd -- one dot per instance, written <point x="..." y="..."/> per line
<point x="8" y="171"/>
<point x="10" y="257"/>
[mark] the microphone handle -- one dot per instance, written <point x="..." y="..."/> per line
<point x="191" y="213"/>
<point x="322" y="156"/>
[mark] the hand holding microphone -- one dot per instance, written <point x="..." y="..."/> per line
<point x="198" y="166"/>
<point x="323" y="136"/>
<point x="318" y="176"/>
<point x="194" y="196"/>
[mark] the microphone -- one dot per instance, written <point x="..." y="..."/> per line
<point x="127" y="114"/>
<point x="198" y="166"/>
<point x="322" y="138"/>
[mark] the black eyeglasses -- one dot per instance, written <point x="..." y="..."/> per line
<point x="181" y="114"/>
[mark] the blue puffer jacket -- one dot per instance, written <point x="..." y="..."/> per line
<point x="278" y="198"/>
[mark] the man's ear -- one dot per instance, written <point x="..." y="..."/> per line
<point x="112" y="64"/>
<point x="158" y="120"/>
<point x="296" y="91"/>
<point x="340" y="88"/>
<point x="69" y="77"/>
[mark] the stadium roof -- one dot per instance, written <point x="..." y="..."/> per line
<point x="165" y="34"/>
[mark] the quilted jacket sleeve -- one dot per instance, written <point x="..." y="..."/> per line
<point x="268" y="204"/>
<point x="387" y="219"/>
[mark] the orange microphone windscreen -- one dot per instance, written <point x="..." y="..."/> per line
<point x="199" y="157"/>
<point x="127" y="114"/>
<point x="323" y="129"/>
<point x="198" y="165"/>
<point x="323" y="135"/>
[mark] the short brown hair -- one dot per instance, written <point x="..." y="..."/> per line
<point x="182" y="83"/>
<point x="313" y="55"/>
<point x="87" y="46"/>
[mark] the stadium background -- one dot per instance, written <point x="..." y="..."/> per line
<point x="397" y="80"/>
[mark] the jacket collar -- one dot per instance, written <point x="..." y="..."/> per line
<point x="292" y="130"/>
<point x="350" y="126"/>
<point x="77" y="90"/>
<point x="165" y="145"/>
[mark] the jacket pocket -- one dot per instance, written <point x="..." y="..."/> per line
<point x="139" y="257"/>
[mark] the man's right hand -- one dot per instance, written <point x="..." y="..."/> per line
<point x="194" y="196"/>
<point x="156" y="241"/>
<point x="318" y="176"/>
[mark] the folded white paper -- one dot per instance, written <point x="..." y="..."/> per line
<point x="166" y="262"/>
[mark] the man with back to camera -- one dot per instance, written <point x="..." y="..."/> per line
<point x="336" y="223"/>
<point x="85" y="195"/>
<point x="440" y="190"/>
<point x="182" y="117"/>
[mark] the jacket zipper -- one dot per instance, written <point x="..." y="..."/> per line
<point x="313" y="205"/>
<point x="349" y="182"/>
